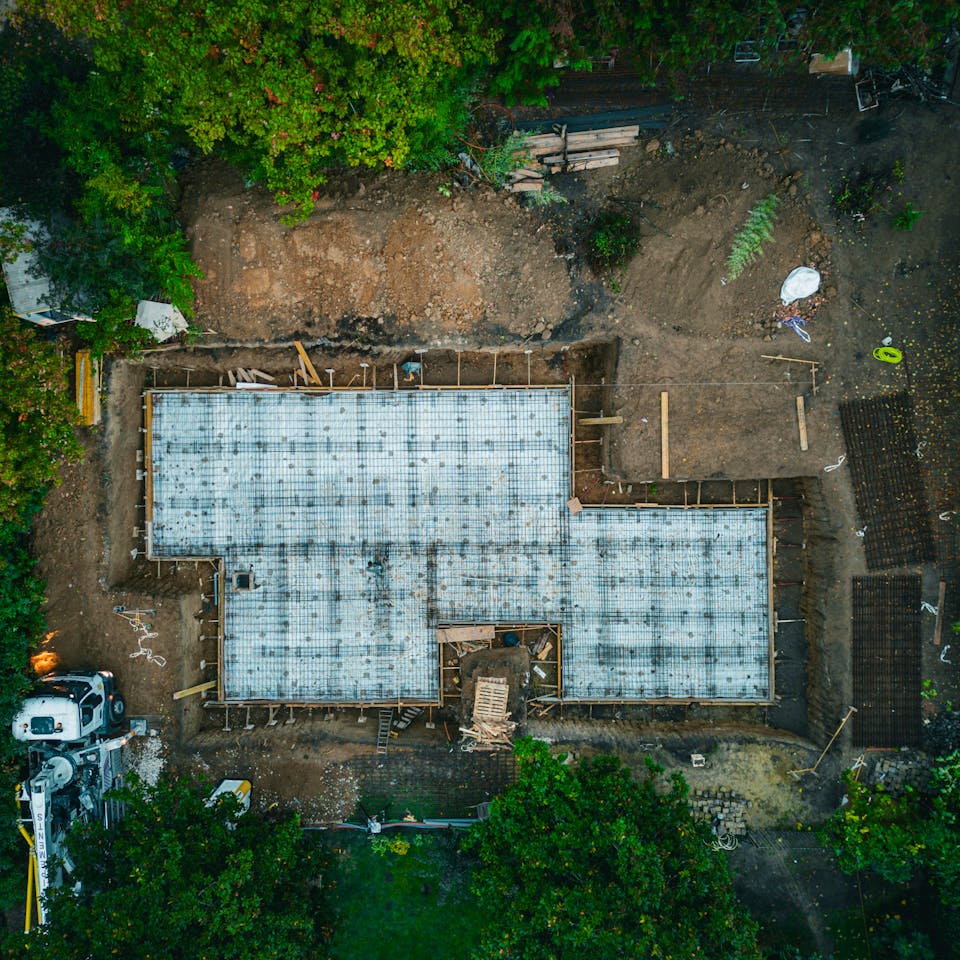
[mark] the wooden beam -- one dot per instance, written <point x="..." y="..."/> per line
<point x="765" y="356"/>
<point x="599" y="421"/>
<point x="466" y="634"/>
<point x="802" y="422"/>
<point x="306" y="362"/>
<point x="197" y="688"/>
<point x="941" y="598"/>
<point x="260" y="375"/>
<point x="664" y="435"/>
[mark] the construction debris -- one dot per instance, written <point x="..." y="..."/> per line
<point x="491" y="724"/>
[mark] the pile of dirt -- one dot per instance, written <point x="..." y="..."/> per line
<point x="693" y="199"/>
<point x="383" y="258"/>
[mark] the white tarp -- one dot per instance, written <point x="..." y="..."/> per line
<point x="800" y="283"/>
<point x="163" y="320"/>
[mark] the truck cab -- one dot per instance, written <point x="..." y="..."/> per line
<point x="74" y="707"/>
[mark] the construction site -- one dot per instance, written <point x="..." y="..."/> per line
<point x="350" y="554"/>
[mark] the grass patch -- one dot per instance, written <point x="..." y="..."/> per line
<point x="403" y="904"/>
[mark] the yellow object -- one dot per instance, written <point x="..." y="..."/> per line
<point x="887" y="354"/>
<point x="33" y="879"/>
<point x="88" y="388"/>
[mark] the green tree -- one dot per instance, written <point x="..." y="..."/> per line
<point x="585" y="861"/>
<point x="905" y="839"/>
<point x="287" y="90"/>
<point x="179" y="878"/>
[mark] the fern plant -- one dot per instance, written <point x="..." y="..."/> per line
<point x="748" y="243"/>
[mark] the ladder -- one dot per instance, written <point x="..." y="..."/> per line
<point x="384" y="720"/>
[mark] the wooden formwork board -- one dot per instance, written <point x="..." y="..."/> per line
<point x="87" y="371"/>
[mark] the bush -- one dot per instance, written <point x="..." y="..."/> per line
<point x="612" y="240"/>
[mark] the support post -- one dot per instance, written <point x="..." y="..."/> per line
<point x="665" y="435"/>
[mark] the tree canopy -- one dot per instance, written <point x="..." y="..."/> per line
<point x="585" y="861"/>
<point x="292" y="89"/>
<point x="179" y="878"/>
<point x="902" y="838"/>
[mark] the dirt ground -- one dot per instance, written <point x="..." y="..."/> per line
<point x="389" y="265"/>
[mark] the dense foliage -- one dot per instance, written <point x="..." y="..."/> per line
<point x="37" y="418"/>
<point x="583" y="860"/>
<point x="668" y="39"/>
<point x="900" y="837"/>
<point x="289" y="90"/>
<point x="179" y="878"/>
<point x="905" y="839"/>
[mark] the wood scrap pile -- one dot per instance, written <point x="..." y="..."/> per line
<point x="249" y="377"/>
<point x="569" y="151"/>
<point x="491" y="725"/>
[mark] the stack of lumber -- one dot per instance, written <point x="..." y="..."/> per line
<point x="569" y="151"/>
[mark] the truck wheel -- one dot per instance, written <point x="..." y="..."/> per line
<point x="117" y="708"/>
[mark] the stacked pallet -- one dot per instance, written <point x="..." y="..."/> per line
<point x="491" y="725"/>
<point x="570" y="151"/>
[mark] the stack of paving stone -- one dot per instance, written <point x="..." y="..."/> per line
<point x="721" y="807"/>
<point x="897" y="771"/>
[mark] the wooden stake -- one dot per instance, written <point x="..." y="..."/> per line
<point x="802" y="422"/>
<point x="765" y="356"/>
<point x="664" y="435"/>
<point x="836" y="734"/>
<point x="495" y="354"/>
<point x="309" y="368"/>
<point x="941" y="597"/>
<point x="396" y="378"/>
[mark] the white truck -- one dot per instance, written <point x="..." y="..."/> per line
<point x="71" y="723"/>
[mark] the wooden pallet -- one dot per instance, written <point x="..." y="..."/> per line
<point x="491" y="698"/>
